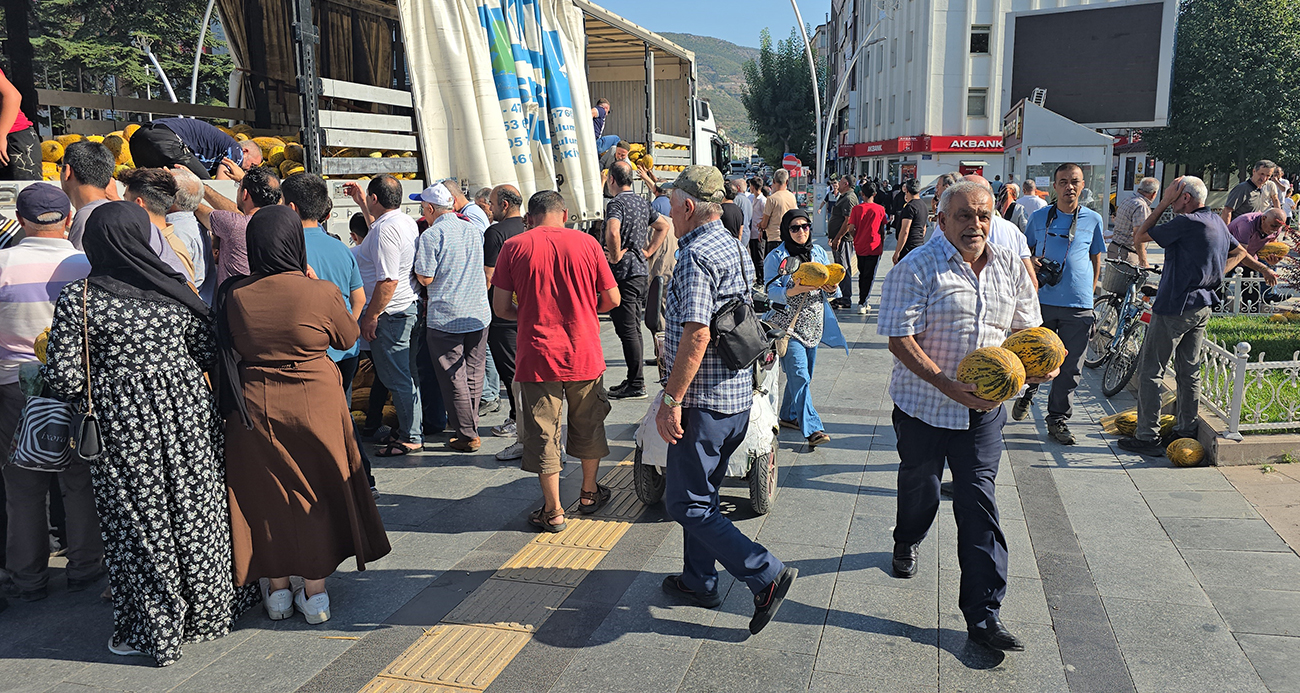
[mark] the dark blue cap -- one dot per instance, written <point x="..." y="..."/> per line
<point x="42" y="198"/>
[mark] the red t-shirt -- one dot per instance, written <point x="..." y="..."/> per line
<point x="558" y="275"/>
<point x="20" y="123"/>
<point x="866" y="219"/>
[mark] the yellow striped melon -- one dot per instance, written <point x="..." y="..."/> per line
<point x="130" y="130"/>
<point x="1274" y="251"/>
<point x="996" y="373"/>
<point x="1126" y="423"/>
<point x="835" y="274"/>
<point x="811" y="274"/>
<point x="1185" y="452"/>
<point x="1039" y="349"/>
<point x="41" y="344"/>
<point x="51" y="151"/>
<point x="294" y="152"/>
<point x="66" y="140"/>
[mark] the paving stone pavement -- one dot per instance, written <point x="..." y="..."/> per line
<point x="1125" y="575"/>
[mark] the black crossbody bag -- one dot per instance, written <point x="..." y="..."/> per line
<point x="736" y="332"/>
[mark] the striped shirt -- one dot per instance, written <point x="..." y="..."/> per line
<point x="32" y="274"/>
<point x="935" y="296"/>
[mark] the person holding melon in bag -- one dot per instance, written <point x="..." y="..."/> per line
<point x="801" y="308"/>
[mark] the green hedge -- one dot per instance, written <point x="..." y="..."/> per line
<point x="1277" y="341"/>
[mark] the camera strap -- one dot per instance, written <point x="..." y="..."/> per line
<point x="1047" y="231"/>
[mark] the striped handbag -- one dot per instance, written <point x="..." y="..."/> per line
<point x="41" y="444"/>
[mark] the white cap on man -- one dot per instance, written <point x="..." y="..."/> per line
<point x="436" y="195"/>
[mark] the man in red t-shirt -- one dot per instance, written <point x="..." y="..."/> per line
<point x="866" y="223"/>
<point x="560" y="280"/>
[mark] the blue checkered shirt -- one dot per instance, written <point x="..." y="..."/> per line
<point x="934" y="296"/>
<point x="710" y="271"/>
<point x="451" y="252"/>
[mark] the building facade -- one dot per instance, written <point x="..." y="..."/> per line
<point x="926" y="99"/>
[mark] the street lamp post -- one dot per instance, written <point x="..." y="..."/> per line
<point x="817" y="99"/>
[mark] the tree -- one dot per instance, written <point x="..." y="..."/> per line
<point x="1235" y="97"/>
<point x="86" y="45"/>
<point x="778" y="98"/>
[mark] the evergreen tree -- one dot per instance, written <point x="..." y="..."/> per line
<point x="778" y="98"/>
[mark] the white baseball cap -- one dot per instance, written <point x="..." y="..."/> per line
<point x="437" y="195"/>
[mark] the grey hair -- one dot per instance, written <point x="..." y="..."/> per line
<point x="704" y="211"/>
<point x="1030" y="185"/>
<point x="189" y="190"/>
<point x="965" y="188"/>
<point x="948" y="179"/>
<point x="780" y="177"/>
<point x="1195" y="187"/>
<point x="1148" y="186"/>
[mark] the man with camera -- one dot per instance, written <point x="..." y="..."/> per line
<point x="1068" y="243"/>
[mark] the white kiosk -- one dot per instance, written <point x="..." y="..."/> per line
<point x="1036" y="141"/>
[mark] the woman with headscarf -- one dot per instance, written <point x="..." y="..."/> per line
<point x="159" y="485"/>
<point x="299" y="500"/>
<point x="810" y="320"/>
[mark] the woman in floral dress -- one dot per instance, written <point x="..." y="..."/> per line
<point x="159" y="485"/>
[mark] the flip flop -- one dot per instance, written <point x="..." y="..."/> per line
<point x="395" y="449"/>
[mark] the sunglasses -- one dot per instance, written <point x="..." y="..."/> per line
<point x="800" y="227"/>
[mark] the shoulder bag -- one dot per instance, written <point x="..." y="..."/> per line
<point x="85" y="442"/>
<point x="736" y="331"/>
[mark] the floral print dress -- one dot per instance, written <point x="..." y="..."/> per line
<point x="160" y="483"/>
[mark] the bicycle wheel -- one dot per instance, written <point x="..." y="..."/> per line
<point x="1123" y="363"/>
<point x="1104" y="327"/>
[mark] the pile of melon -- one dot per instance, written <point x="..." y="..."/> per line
<point x="998" y="372"/>
<point x="117" y="142"/>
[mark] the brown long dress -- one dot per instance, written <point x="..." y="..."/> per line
<point x="299" y="501"/>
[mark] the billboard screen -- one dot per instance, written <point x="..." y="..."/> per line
<point x="1103" y="65"/>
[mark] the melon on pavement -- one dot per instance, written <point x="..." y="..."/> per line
<point x="996" y="373"/>
<point x="1185" y="452"/>
<point x="1039" y="349"/>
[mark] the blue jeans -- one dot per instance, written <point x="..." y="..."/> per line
<point x="491" y="380"/>
<point x="395" y="362"/>
<point x="696" y="467"/>
<point x="604" y="143"/>
<point x="796" y="404"/>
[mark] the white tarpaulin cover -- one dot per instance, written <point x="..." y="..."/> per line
<point x="500" y="91"/>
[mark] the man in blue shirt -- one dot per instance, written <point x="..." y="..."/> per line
<point x="194" y="144"/>
<point x="1199" y="251"/>
<point x="1071" y="235"/>
<point x="331" y="261"/>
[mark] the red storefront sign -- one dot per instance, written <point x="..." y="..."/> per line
<point x="845" y="151"/>
<point x="925" y="143"/>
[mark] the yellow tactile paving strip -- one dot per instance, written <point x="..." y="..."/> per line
<point x="476" y="641"/>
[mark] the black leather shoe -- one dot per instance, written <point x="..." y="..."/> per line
<point x="673" y="585"/>
<point x="1150" y="448"/>
<point x="996" y="637"/>
<point x="769" y="600"/>
<point x="79" y="584"/>
<point x="905" y="560"/>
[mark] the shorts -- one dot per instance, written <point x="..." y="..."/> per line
<point x="539" y="423"/>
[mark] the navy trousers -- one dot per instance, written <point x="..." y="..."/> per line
<point x="973" y="456"/>
<point x="696" y="466"/>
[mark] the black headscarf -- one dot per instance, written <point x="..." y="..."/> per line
<point x="121" y="262"/>
<point x="801" y="251"/>
<point x="276" y="245"/>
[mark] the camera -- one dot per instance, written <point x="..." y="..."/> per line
<point x="1049" y="272"/>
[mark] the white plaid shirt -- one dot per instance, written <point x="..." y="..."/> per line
<point x="1128" y="218"/>
<point x="711" y="270"/>
<point x="934" y="296"/>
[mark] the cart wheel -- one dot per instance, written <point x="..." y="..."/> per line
<point x="647" y="480"/>
<point x="762" y="479"/>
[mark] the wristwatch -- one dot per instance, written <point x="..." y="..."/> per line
<point x="668" y="400"/>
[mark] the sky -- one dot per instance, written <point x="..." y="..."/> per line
<point x="737" y="21"/>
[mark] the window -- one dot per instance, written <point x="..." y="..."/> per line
<point x="907" y="107"/>
<point x="891" y="108"/>
<point x="977" y="103"/>
<point x="911" y="37"/>
<point x="979" y="39"/>
<point x="893" y="52"/>
<point x="880" y="59"/>
<point x="878" y="109"/>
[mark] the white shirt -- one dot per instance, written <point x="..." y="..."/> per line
<point x="388" y="254"/>
<point x="745" y="202"/>
<point x="756" y="218"/>
<point x="1031" y="203"/>
<point x="476" y="215"/>
<point x="1001" y="232"/>
<point x="935" y="296"/>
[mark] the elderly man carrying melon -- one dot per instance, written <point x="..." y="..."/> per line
<point x="946" y="308"/>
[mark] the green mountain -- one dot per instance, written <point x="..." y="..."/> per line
<point x="718" y="64"/>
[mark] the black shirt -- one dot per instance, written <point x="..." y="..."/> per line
<point x="733" y="217"/>
<point x="495" y="237"/>
<point x="919" y="213"/>
<point x="635" y="215"/>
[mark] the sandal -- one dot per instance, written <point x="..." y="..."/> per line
<point x="599" y="498"/>
<point x="541" y="519"/>
<point x="395" y="449"/>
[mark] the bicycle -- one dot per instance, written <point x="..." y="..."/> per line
<point x="1120" y="322"/>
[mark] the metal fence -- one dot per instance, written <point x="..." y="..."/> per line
<point x="1247" y="296"/>
<point x="1250" y="395"/>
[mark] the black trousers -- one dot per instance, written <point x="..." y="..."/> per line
<point x="973" y="456"/>
<point x="348" y="369"/>
<point x="1072" y="325"/>
<point x="627" y="318"/>
<point x="154" y="146"/>
<point x="24" y="150"/>
<point x="866" y="276"/>
<point x="769" y="246"/>
<point x="503" y="340"/>
<point x="757" y="255"/>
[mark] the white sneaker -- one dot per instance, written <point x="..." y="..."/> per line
<point x="316" y="609"/>
<point x="279" y="604"/>
<point x="862" y="309"/>
<point x="506" y="430"/>
<point x="513" y="452"/>
<point x="123" y="649"/>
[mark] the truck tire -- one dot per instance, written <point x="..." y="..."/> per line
<point x="762" y="479"/>
<point x="647" y="480"/>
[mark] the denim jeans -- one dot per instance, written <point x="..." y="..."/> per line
<point x="604" y="143"/>
<point x="491" y="380"/>
<point x="395" y="363"/>
<point x="796" y="404"/>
